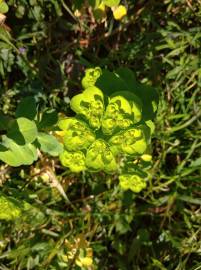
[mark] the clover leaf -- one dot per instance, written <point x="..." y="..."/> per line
<point x="22" y="138"/>
<point x="16" y="155"/>
<point x="22" y="131"/>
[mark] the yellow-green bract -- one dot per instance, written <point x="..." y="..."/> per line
<point x="106" y="132"/>
<point x="8" y="209"/>
<point x="77" y="135"/>
<point x="90" y="105"/>
<point x="100" y="157"/>
<point x="92" y="74"/>
<point x="132" y="181"/>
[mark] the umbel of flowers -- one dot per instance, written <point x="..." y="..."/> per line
<point x="107" y="134"/>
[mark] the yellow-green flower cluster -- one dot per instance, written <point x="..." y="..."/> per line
<point x="132" y="181"/>
<point x="89" y="104"/>
<point x="104" y="129"/>
<point x="100" y="157"/>
<point x="91" y="76"/>
<point x="77" y="135"/>
<point x="82" y="149"/>
<point x="130" y="142"/>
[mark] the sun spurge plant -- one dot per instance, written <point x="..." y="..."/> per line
<point x="109" y="133"/>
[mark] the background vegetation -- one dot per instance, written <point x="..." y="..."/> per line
<point x="51" y="46"/>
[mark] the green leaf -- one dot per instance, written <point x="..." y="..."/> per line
<point x="26" y="108"/>
<point x="5" y="36"/>
<point x="23" y="131"/>
<point x="123" y="79"/>
<point x="3" y="7"/>
<point x="110" y="83"/>
<point x="49" y="119"/>
<point x="189" y="199"/>
<point x="149" y="98"/>
<point x="9" y="208"/>
<point x="134" y="102"/>
<point x="127" y="76"/>
<point x="99" y="12"/>
<point x="196" y="163"/>
<point x="111" y="3"/>
<point x="49" y="144"/>
<point x="151" y="126"/>
<point x="4" y="121"/>
<point x="147" y="94"/>
<point x="94" y="3"/>
<point x="77" y="4"/>
<point x="17" y="155"/>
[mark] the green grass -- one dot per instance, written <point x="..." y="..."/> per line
<point x="160" y="227"/>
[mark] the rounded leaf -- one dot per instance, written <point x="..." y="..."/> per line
<point x="16" y="155"/>
<point x="49" y="144"/>
<point x="23" y="131"/>
<point x="49" y="119"/>
<point x="26" y="108"/>
<point x="3" y="7"/>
